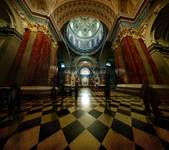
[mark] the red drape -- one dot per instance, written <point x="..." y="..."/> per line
<point x="41" y="75"/>
<point x="34" y="58"/>
<point x="141" y="71"/>
<point x="12" y="74"/>
<point x="151" y="62"/>
<point x="37" y="72"/>
<point x="131" y="67"/>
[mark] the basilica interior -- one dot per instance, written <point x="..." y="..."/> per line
<point x="84" y="74"/>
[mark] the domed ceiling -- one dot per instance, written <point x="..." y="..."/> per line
<point x="84" y="34"/>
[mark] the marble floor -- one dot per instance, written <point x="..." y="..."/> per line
<point x="43" y="124"/>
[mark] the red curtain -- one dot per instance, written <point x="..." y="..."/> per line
<point x="133" y="61"/>
<point x="12" y="74"/>
<point x="151" y="62"/>
<point x="34" y="58"/>
<point x="130" y="62"/>
<point x="37" y="72"/>
<point x="141" y="71"/>
<point x="41" y="75"/>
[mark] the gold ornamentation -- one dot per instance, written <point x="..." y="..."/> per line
<point x="135" y="33"/>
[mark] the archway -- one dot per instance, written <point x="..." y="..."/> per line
<point x="160" y="47"/>
<point x="85" y="74"/>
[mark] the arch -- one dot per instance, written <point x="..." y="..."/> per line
<point x="95" y="9"/>
<point x="160" y="27"/>
<point x="149" y="36"/>
<point x="88" y="59"/>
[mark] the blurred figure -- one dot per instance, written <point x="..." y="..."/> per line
<point x="53" y="93"/>
<point x="76" y="91"/>
<point x="145" y="93"/>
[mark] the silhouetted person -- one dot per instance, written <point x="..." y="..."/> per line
<point x="145" y="93"/>
<point x="76" y="91"/>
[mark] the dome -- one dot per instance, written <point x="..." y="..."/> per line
<point x="84" y="34"/>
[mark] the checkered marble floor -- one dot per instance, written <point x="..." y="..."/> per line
<point x="87" y="124"/>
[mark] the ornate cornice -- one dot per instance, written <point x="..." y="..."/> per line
<point x="135" y="33"/>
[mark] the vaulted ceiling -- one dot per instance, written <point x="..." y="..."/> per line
<point x="105" y="10"/>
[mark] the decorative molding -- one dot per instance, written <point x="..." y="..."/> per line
<point x="158" y="48"/>
<point x="10" y="31"/>
<point x="29" y="17"/>
<point x="135" y="33"/>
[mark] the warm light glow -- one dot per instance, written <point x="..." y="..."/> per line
<point x="85" y="98"/>
<point x="85" y="71"/>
